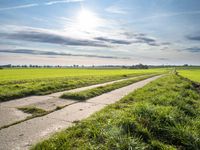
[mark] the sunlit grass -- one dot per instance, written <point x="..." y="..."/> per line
<point x="17" y="83"/>
<point x="43" y="73"/>
<point x="192" y="74"/>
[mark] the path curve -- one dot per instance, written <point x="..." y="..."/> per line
<point x="21" y="136"/>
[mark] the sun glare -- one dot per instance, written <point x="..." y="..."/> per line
<point x="87" y="20"/>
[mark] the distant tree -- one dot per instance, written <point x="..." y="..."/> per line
<point x="139" y="66"/>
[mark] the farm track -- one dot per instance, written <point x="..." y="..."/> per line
<point x="10" y="114"/>
<point x="23" y="135"/>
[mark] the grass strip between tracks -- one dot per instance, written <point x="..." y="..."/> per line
<point x="90" y="93"/>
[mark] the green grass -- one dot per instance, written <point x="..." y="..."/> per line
<point x="162" y="115"/>
<point x="33" y="110"/>
<point x="17" y="83"/>
<point x="43" y="73"/>
<point x="192" y="74"/>
<point x="86" y="94"/>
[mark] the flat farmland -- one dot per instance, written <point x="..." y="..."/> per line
<point x="192" y="74"/>
<point x="17" y="83"/>
<point x="25" y="74"/>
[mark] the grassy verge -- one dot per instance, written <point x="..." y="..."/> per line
<point x="86" y="94"/>
<point x="162" y="115"/>
<point x="18" y="89"/>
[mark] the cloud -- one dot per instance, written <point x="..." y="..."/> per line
<point x="164" y="59"/>
<point x="165" y="43"/>
<point x="19" y="6"/>
<point x="133" y="38"/>
<point x="113" y="41"/>
<point x="116" y="10"/>
<point x="36" y="35"/>
<point x="143" y="38"/>
<point x="62" y="1"/>
<point x="193" y="49"/>
<point x="53" y="37"/>
<point x="37" y="4"/>
<point x="38" y="52"/>
<point x="193" y="37"/>
<point x="164" y="15"/>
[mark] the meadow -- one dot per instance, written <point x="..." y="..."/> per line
<point x="17" y="83"/>
<point x="192" y="74"/>
<point x="162" y="115"/>
<point x="43" y="73"/>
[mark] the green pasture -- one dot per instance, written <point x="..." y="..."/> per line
<point x="192" y="74"/>
<point x="17" y="83"/>
<point x="25" y="74"/>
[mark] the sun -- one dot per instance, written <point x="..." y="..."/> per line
<point x="87" y="20"/>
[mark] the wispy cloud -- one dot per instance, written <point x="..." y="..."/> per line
<point x="114" y="41"/>
<point x="144" y="39"/>
<point x="37" y="4"/>
<point x="22" y="33"/>
<point x="193" y="37"/>
<point x="193" y="49"/>
<point x="56" y="37"/>
<point x="19" y="6"/>
<point x="62" y="1"/>
<point x="116" y="10"/>
<point x="50" y="53"/>
<point x="37" y="35"/>
<point x="163" y="15"/>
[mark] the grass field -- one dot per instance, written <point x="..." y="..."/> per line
<point x="162" y="115"/>
<point x="192" y="74"/>
<point x="43" y="73"/>
<point x="17" y="83"/>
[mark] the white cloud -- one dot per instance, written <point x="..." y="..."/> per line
<point x="116" y="10"/>
<point x="19" y="7"/>
<point x="168" y="15"/>
<point x="36" y="4"/>
<point x="62" y="1"/>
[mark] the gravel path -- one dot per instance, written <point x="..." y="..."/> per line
<point x="23" y="135"/>
<point x="10" y="114"/>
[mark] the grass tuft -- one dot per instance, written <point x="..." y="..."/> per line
<point x="33" y="110"/>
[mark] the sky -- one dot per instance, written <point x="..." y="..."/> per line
<point x="100" y="32"/>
